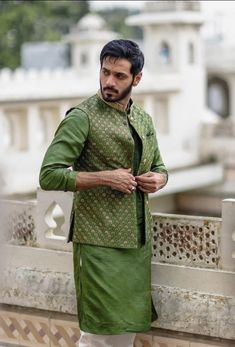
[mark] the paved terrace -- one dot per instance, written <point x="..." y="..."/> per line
<point x="193" y="277"/>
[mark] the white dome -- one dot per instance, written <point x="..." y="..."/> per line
<point x="91" y="22"/>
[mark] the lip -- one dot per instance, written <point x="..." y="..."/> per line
<point x="110" y="91"/>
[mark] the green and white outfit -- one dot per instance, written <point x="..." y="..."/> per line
<point x="111" y="231"/>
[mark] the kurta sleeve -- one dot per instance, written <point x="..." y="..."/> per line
<point x="157" y="163"/>
<point x="56" y="171"/>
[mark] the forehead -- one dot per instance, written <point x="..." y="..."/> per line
<point x="117" y="64"/>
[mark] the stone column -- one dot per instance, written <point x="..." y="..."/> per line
<point x="228" y="235"/>
<point x="231" y="83"/>
<point x="64" y="107"/>
<point x="36" y="131"/>
<point x="149" y="104"/>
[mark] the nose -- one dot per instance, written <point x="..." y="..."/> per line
<point x="110" y="82"/>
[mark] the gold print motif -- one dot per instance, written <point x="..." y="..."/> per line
<point x="98" y="221"/>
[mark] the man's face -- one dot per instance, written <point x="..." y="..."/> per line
<point x="116" y="80"/>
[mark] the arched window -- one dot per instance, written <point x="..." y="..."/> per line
<point x="191" y="53"/>
<point x="218" y="96"/>
<point x="165" y="53"/>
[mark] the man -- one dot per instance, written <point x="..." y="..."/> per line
<point x="111" y="145"/>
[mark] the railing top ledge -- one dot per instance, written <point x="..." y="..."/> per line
<point x="229" y="200"/>
<point x="18" y="202"/>
<point x="189" y="217"/>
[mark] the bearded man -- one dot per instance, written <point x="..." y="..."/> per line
<point x="111" y="145"/>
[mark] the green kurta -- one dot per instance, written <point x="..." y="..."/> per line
<point x="113" y="285"/>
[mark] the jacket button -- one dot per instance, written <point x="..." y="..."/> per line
<point x="125" y="122"/>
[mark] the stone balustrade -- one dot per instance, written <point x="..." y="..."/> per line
<point x="181" y="240"/>
<point x="193" y="265"/>
<point x="18" y="75"/>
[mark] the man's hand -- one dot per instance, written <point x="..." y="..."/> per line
<point x="119" y="179"/>
<point x="122" y="180"/>
<point x="150" y="182"/>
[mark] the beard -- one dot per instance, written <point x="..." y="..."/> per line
<point x="111" y="97"/>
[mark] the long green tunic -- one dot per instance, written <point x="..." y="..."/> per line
<point x="113" y="285"/>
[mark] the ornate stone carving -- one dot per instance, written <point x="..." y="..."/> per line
<point x="185" y="241"/>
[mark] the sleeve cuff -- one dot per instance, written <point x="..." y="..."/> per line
<point x="71" y="182"/>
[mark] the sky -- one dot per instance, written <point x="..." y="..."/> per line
<point x="219" y="14"/>
<point x="107" y="4"/>
<point x="207" y="6"/>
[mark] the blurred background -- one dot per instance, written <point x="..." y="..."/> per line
<point x="49" y="62"/>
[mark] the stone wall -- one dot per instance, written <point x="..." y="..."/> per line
<point x="193" y="271"/>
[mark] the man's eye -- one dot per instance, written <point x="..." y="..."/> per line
<point x="105" y="72"/>
<point x="120" y="76"/>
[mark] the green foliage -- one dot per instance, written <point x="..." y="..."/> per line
<point x="115" y="19"/>
<point x="33" y="20"/>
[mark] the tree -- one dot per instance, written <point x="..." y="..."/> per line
<point x="32" y="20"/>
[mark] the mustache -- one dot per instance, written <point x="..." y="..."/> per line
<point x="110" y="89"/>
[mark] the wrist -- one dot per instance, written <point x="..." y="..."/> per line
<point x="105" y="178"/>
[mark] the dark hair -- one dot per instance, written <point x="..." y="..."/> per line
<point x="125" y="49"/>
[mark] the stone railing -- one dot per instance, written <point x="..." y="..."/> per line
<point x="187" y="240"/>
<point x="18" y="222"/>
<point x="177" y="239"/>
<point x="193" y="264"/>
<point x="32" y="75"/>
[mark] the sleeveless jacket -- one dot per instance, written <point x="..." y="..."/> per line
<point x="103" y="216"/>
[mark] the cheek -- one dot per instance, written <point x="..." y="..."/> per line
<point x="102" y="80"/>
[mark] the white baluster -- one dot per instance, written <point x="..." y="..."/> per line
<point x="228" y="235"/>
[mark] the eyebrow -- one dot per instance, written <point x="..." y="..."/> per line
<point x="116" y="72"/>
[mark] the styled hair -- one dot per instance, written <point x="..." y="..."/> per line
<point x="124" y="49"/>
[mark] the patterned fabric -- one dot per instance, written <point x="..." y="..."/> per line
<point x="102" y="216"/>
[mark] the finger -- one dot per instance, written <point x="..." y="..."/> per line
<point x="134" y="183"/>
<point x="146" y="185"/>
<point x="145" y="190"/>
<point x="146" y="174"/>
<point x="145" y="179"/>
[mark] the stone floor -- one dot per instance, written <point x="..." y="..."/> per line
<point x="33" y="328"/>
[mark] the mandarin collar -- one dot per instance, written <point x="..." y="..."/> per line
<point x="116" y="105"/>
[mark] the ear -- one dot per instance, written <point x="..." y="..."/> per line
<point x="137" y="79"/>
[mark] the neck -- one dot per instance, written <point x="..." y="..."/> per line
<point x="124" y="103"/>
